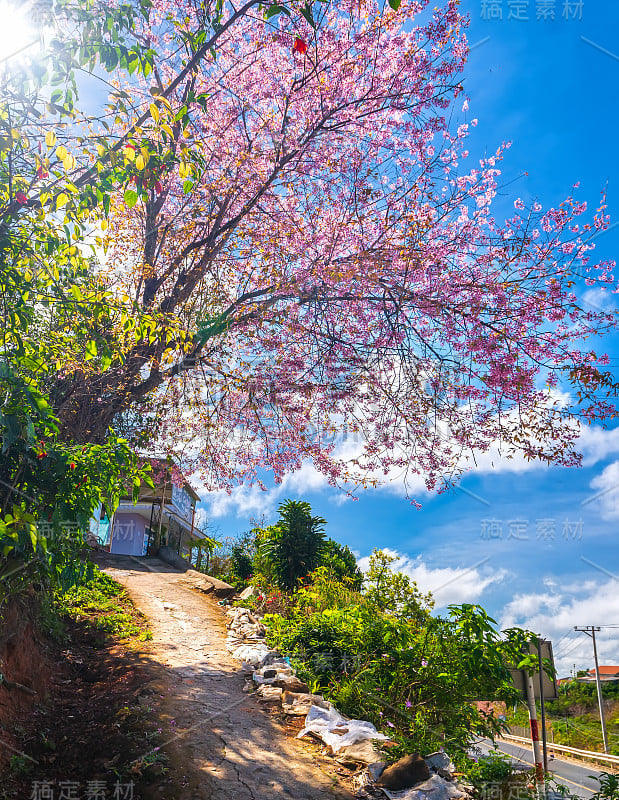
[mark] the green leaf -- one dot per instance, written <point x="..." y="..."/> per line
<point x="91" y="350"/>
<point x="131" y="198"/>
<point x="32" y="530"/>
<point x="41" y="403"/>
<point x="77" y="293"/>
<point x="274" y="10"/>
<point x="307" y="13"/>
<point x="395" y="4"/>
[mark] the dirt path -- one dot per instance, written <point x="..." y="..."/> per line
<point x="226" y="746"/>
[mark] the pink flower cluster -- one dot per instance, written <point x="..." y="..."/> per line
<point x="363" y="285"/>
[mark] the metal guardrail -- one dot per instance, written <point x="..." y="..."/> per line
<point x="570" y="750"/>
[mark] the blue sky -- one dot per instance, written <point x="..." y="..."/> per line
<point x="534" y="545"/>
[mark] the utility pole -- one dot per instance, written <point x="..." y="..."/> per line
<point x="590" y="630"/>
<point x="542" y="704"/>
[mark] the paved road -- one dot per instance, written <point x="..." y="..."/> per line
<point x="575" y="777"/>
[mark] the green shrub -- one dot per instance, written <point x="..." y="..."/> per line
<point x="492" y="768"/>
<point x="340" y="561"/>
<point x="104" y="604"/>
<point x="609" y="786"/>
<point x="378" y="654"/>
<point x="242" y="565"/>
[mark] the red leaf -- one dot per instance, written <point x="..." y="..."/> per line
<point x="299" y="46"/>
<point x="21" y="198"/>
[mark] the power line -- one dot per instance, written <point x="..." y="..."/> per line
<point x="567" y="635"/>
<point x="564" y="644"/>
<point x="570" y="648"/>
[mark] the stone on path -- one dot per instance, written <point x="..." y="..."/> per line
<point x="405" y="773"/>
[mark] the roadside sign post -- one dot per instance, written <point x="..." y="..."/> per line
<point x="537" y="752"/>
<point x="542" y="705"/>
<point x="528" y="685"/>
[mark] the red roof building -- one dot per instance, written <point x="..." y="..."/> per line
<point x="607" y="673"/>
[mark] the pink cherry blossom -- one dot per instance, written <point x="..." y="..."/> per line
<point x="350" y="298"/>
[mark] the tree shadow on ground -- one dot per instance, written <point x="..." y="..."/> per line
<point x="121" y="722"/>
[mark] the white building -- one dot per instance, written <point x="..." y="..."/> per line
<point x="162" y="516"/>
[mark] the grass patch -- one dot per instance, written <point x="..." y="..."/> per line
<point x="103" y="604"/>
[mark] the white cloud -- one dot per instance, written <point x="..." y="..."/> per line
<point x="553" y="614"/>
<point x="606" y="499"/>
<point x="252" y="501"/>
<point x="242" y="502"/>
<point x="447" y="584"/>
<point x="597" y="444"/>
<point x="594" y="442"/>
<point x="341" y="498"/>
<point x="599" y="299"/>
<point x="306" y="479"/>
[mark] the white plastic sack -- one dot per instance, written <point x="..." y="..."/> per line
<point x="435" y="788"/>
<point x="234" y="611"/>
<point x="440" y="761"/>
<point x="251" y="653"/>
<point x="244" y="625"/>
<point x="337" y="731"/>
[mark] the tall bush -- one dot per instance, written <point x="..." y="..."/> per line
<point x="293" y="547"/>
<point x="380" y="655"/>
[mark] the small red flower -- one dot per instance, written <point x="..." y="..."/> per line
<point x="41" y="454"/>
<point x="72" y="465"/>
<point x="21" y="198"/>
<point x="299" y="46"/>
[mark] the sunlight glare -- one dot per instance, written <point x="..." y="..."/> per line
<point x="16" y="31"/>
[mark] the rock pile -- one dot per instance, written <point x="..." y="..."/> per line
<point x="245" y="639"/>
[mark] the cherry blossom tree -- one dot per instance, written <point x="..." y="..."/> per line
<point x="298" y="204"/>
